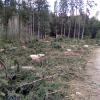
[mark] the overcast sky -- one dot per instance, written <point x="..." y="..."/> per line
<point x="93" y="12"/>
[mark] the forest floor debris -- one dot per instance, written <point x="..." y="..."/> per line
<point x="66" y="64"/>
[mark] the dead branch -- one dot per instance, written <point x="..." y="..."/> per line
<point x="2" y="63"/>
<point x="32" y="83"/>
<point x="54" y="92"/>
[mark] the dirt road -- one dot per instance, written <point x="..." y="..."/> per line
<point x="90" y="88"/>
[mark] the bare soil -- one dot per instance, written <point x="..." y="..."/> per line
<point x="89" y="89"/>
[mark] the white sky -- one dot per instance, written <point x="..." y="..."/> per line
<point x="93" y="12"/>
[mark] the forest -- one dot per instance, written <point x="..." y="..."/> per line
<point x="43" y="51"/>
<point x="26" y="19"/>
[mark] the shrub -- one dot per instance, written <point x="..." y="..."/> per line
<point x="56" y="45"/>
<point x="59" y="39"/>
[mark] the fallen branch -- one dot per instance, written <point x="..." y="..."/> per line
<point x="4" y="66"/>
<point x="54" y="92"/>
<point x="32" y="83"/>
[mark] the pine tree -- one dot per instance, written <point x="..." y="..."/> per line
<point x="41" y="7"/>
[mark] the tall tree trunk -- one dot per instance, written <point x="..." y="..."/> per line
<point x="64" y="31"/>
<point x="75" y="24"/>
<point x="79" y="30"/>
<point x="38" y="28"/>
<point x="69" y="30"/>
<point x="83" y="30"/>
<point x="6" y="21"/>
<point x="75" y="30"/>
<point x="62" y="28"/>
<point x="31" y="19"/>
<point x="82" y="36"/>
<point x="33" y="22"/>
<point x="6" y="31"/>
<point x="19" y="28"/>
<point x="56" y="31"/>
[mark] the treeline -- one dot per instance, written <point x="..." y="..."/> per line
<point x="29" y="18"/>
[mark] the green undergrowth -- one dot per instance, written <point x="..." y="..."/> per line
<point x="58" y="61"/>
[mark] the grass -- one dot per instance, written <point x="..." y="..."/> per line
<point x="67" y="67"/>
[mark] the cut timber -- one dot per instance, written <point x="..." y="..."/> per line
<point x="2" y="50"/>
<point x="24" y="67"/>
<point x="69" y="50"/>
<point x="24" y="47"/>
<point x="86" y="46"/>
<point x="71" y="54"/>
<point x="37" y="57"/>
